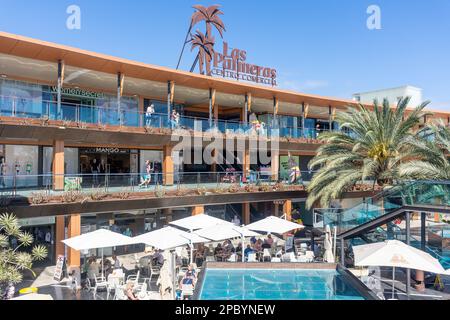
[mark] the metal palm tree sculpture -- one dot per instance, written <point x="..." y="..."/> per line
<point x="211" y="15"/>
<point x="205" y="47"/>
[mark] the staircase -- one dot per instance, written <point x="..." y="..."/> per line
<point x="373" y="220"/>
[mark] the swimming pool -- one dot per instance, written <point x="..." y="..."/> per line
<point x="276" y="284"/>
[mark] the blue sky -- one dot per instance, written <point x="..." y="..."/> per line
<point x="321" y="47"/>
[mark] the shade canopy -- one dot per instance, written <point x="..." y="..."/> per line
<point x="220" y="232"/>
<point x="274" y="225"/>
<point x="34" y="296"/>
<point x="200" y="221"/>
<point x="168" y="238"/>
<point x="394" y="253"/>
<point x="98" y="239"/>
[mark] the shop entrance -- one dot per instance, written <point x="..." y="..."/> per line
<point x="105" y="166"/>
<point x="77" y="109"/>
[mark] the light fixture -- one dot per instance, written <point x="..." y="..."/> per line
<point x="4" y="76"/>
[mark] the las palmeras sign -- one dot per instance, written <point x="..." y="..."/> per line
<point x="228" y="63"/>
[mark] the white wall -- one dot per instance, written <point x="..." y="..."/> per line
<point x="392" y="95"/>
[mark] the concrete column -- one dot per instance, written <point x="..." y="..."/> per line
<point x="245" y="164"/>
<point x="61" y="67"/>
<point x="168" y="214"/>
<point x="287" y="209"/>
<point x="58" y="165"/>
<point x="276" y="209"/>
<point x="212" y="102"/>
<point x="170" y="97"/>
<point x="246" y="213"/>
<point x="168" y="168"/>
<point x="73" y="230"/>
<point x="198" y="210"/>
<point x="275" y="164"/>
<point x="59" y="236"/>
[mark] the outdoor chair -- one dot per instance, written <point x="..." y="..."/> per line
<point x="143" y="294"/>
<point x="275" y="260"/>
<point x="134" y="277"/>
<point x="309" y="256"/>
<point x="252" y="257"/>
<point x="120" y="294"/>
<point x="153" y="271"/>
<point x="210" y="259"/>
<point x="187" y="290"/>
<point x="232" y="258"/>
<point x="266" y="255"/>
<point x="100" y="282"/>
<point x="113" y="284"/>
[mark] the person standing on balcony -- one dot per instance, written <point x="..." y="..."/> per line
<point x="174" y="119"/>
<point x="148" y="115"/>
<point x="317" y="130"/>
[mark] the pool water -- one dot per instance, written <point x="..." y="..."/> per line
<point x="276" y="284"/>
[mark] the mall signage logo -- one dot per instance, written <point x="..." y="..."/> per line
<point x="234" y="65"/>
<point x="231" y="63"/>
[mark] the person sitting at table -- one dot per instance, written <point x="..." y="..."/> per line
<point x="268" y="242"/>
<point x="116" y="264"/>
<point x="257" y="247"/>
<point x="129" y="291"/>
<point x="247" y="251"/>
<point x="93" y="270"/>
<point x="218" y="252"/>
<point x="190" y="277"/>
<point x="238" y="251"/>
<point x="200" y="254"/>
<point x="158" y="258"/>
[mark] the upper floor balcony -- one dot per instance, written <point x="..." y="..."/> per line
<point x="112" y="115"/>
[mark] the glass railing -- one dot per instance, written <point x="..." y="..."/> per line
<point x="28" y="185"/>
<point x="409" y="193"/>
<point x="110" y="114"/>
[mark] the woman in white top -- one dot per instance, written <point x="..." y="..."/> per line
<point x="148" y="115"/>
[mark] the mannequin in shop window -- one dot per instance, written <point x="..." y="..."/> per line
<point x="3" y="172"/>
<point x="95" y="169"/>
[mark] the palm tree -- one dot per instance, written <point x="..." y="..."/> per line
<point x="370" y="147"/>
<point x="205" y="47"/>
<point x="431" y="154"/>
<point x="12" y="260"/>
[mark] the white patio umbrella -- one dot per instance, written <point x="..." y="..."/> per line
<point x="395" y="254"/>
<point x="221" y="232"/>
<point x="98" y="239"/>
<point x="168" y="238"/>
<point x="200" y="221"/>
<point x="274" y="225"/>
<point x="328" y="245"/>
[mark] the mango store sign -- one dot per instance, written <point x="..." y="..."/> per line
<point x="233" y="64"/>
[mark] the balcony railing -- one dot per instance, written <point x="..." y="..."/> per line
<point x="27" y="186"/>
<point x="110" y="115"/>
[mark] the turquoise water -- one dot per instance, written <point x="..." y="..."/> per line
<point x="276" y="284"/>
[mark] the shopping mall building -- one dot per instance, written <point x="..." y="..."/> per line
<point x="76" y="142"/>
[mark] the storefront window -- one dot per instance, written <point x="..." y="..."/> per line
<point x="22" y="162"/>
<point x="23" y="98"/>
